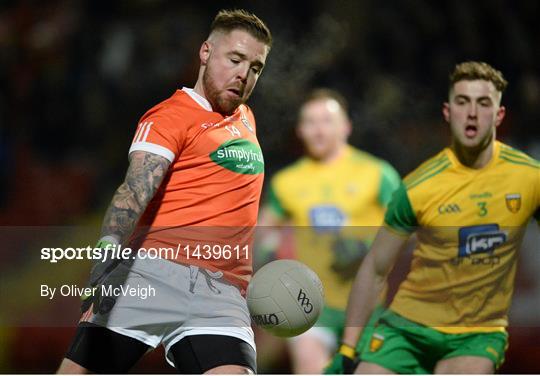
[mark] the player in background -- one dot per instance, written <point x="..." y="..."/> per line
<point x="194" y="163"/>
<point x="335" y="198"/>
<point x="469" y="206"/>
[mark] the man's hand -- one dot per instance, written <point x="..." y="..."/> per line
<point x="99" y="273"/>
<point x="348" y="255"/>
<point x="344" y="361"/>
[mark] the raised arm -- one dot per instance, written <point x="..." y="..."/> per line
<point x="144" y="176"/>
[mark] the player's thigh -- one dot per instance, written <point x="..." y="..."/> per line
<point x="218" y="330"/>
<point x="229" y="370"/>
<point x="311" y="351"/>
<point x="271" y="350"/>
<point x="69" y="367"/>
<point x="465" y="364"/>
<point x="473" y="353"/>
<point x="100" y="350"/>
<point x="207" y="353"/>
<point x="366" y="368"/>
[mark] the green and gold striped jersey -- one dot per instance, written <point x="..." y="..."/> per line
<point x="331" y="205"/>
<point x="469" y="224"/>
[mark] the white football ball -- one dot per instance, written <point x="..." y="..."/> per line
<point x="285" y="297"/>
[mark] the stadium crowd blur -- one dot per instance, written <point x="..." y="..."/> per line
<point x="75" y="76"/>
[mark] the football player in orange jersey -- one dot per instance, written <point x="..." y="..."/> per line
<point x="194" y="161"/>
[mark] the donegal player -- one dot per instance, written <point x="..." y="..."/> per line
<point x="335" y="198"/>
<point x="193" y="184"/>
<point x="469" y="206"/>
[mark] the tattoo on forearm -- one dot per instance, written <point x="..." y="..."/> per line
<point x="144" y="176"/>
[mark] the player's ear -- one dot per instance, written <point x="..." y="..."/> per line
<point x="501" y="112"/>
<point x="348" y="128"/>
<point x="204" y="52"/>
<point x="446" y="111"/>
<point x="298" y="132"/>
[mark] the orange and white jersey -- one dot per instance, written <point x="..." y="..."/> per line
<point x="211" y="192"/>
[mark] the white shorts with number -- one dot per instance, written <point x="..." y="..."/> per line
<point x="162" y="302"/>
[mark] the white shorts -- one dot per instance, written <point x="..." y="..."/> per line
<point x="170" y="301"/>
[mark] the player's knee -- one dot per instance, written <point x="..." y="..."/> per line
<point x="230" y="370"/>
<point x="309" y="354"/>
<point x="465" y="364"/>
<point x="70" y="367"/>
<point x="366" y="368"/>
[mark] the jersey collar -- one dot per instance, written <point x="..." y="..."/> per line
<point x="201" y="101"/>
<point x="345" y="154"/>
<point x="492" y="161"/>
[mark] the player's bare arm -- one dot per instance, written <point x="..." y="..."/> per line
<point x="370" y="282"/>
<point x="268" y="217"/>
<point x="144" y="176"/>
<point x="268" y="235"/>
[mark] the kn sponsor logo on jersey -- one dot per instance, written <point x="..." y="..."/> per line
<point x="478" y="244"/>
<point x="326" y="218"/>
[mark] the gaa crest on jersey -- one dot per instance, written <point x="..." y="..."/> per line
<point x="513" y="202"/>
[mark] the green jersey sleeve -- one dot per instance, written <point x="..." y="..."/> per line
<point x="274" y="202"/>
<point x="390" y="181"/>
<point x="400" y="215"/>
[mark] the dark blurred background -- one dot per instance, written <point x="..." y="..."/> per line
<point x="75" y="76"/>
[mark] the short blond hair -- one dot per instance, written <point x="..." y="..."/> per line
<point x="478" y="70"/>
<point x="325" y="93"/>
<point x="228" y="20"/>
